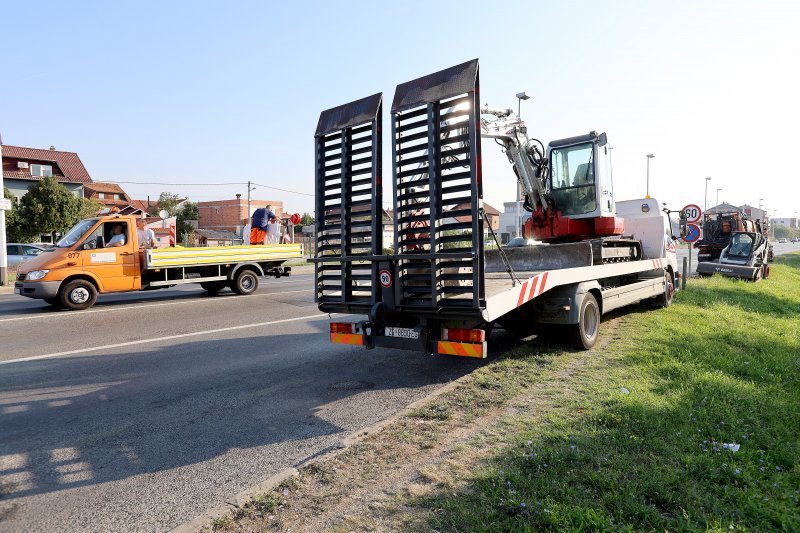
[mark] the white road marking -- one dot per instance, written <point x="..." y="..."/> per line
<point x="103" y="309"/>
<point x="160" y="339"/>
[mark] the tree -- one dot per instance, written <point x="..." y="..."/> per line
<point x="306" y="219"/>
<point x="12" y="224"/>
<point x="168" y="201"/>
<point x="48" y="207"/>
<point x="90" y="207"/>
<point x="188" y="211"/>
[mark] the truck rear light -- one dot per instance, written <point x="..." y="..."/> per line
<point x="343" y="327"/>
<point x="464" y="335"/>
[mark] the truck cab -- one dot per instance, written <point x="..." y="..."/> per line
<point x="82" y="254"/>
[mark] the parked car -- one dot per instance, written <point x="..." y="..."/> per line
<point x="19" y="253"/>
<point x="796" y="239"/>
<point x="781" y="241"/>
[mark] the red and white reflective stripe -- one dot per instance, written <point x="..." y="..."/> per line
<point x="531" y="288"/>
<point x="658" y="263"/>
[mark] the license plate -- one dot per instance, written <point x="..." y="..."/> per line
<point x="403" y="333"/>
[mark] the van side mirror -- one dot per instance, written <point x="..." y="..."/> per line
<point x="99" y="242"/>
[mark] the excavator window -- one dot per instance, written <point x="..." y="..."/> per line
<point x="741" y="245"/>
<point x="573" y="179"/>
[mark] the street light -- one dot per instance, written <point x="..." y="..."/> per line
<point x="649" y="157"/>
<point x="520" y="97"/>
<point x="718" y="196"/>
<point x="705" y="198"/>
<point x="761" y="203"/>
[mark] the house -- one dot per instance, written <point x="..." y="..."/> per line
<point x="112" y="195"/>
<point x="512" y="219"/>
<point x="22" y="167"/>
<point x="231" y="215"/>
<point x="212" y="237"/>
<point x="163" y="229"/>
<point x="492" y="215"/>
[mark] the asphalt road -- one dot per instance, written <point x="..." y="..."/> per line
<point x="150" y="408"/>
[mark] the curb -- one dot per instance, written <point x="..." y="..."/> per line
<point x="197" y="523"/>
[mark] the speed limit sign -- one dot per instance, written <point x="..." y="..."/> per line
<point x="692" y="212"/>
<point x="385" y="278"/>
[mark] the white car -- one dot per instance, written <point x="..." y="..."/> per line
<point x="19" y="253"/>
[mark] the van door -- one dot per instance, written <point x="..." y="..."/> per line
<point x="115" y="266"/>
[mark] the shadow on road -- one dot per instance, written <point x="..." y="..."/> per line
<point x="77" y="421"/>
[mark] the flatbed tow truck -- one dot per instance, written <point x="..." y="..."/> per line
<point x="441" y="291"/>
<point x="81" y="266"/>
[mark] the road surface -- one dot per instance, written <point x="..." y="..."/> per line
<point x="150" y="408"/>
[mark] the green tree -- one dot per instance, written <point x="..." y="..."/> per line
<point x="306" y="219"/>
<point x="12" y="216"/>
<point x="187" y="211"/>
<point x="169" y="201"/>
<point x="48" y="207"/>
<point x="90" y="207"/>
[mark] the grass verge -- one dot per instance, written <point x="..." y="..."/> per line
<point x="683" y="419"/>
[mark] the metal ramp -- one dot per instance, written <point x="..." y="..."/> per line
<point x="437" y="191"/>
<point x="437" y="265"/>
<point x="348" y="205"/>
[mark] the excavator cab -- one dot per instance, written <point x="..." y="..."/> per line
<point x="580" y="176"/>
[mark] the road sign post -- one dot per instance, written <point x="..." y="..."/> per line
<point x="692" y="236"/>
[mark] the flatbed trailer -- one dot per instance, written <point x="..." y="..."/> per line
<point x="441" y="291"/>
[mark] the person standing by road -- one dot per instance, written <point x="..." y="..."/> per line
<point x="146" y="236"/>
<point x="246" y="233"/>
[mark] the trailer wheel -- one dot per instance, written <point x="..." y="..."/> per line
<point x="584" y="333"/>
<point x="78" y="294"/>
<point x="213" y="287"/>
<point x="245" y="282"/>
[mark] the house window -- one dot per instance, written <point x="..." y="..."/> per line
<point x="42" y="171"/>
<point x="116" y="196"/>
<point x="101" y="196"/>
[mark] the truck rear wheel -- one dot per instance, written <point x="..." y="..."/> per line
<point x="78" y="294"/>
<point x="213" y="286"/>
<point x="584" y="334"/>
<point x="665" y="300"/>
<point x="245" y="282"/>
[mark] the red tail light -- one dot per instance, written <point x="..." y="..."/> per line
<point x="343" y="327"/>
<point x="465" y="335"/>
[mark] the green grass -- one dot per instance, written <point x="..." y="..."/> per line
<point x="641" y="446"/>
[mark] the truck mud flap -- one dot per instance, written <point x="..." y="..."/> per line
<point x="349" y="230"/>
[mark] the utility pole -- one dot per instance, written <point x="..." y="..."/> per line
<point x="705" y="198"/>
<point x="649" y="157"/>
<point x="718" y="196"/>
<point x="3" y="254"/>
<point x="248" y="199"/>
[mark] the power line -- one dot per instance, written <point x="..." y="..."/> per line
<point x="209" y="184"/>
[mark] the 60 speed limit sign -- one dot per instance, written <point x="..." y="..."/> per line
<point x="693" y="213"/>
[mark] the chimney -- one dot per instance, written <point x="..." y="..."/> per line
<point x="52" y="148"/>
<point x="238" y="196"/>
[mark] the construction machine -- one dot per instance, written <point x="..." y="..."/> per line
<point x="726" y="237"/>
<point x="440" y="290"/>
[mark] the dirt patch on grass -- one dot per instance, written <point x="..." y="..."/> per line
<point x="372" y="484"/>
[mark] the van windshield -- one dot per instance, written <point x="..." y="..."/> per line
<point x="77" y="231"/>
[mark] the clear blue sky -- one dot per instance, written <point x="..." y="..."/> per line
<point x="197" y="92"/>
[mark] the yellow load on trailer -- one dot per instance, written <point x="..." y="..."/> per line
<point x="215" y="255"/>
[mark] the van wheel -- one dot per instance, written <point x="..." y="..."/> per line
<point x="245" y="282"/>
<point x="77" y="295"/>
<point x="213" y="286"/>
<point x="584" y="334"/>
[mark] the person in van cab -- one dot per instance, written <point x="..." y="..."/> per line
<point x="118" y="238"/>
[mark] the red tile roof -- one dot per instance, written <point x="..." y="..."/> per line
<point x="69" y="163"/>
<point x="160" y="231"/>
<point x="99" y="186"/>
<point x="141" y="205"/>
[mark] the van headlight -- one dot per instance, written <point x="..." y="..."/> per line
<point x="34" y="275"/>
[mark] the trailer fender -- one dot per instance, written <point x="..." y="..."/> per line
<point x="250" y="266"/>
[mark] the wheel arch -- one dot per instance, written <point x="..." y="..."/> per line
<point x="83" y="276"/>
<point x="255" y="267"/>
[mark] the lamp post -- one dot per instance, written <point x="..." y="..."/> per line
<point x="520" y="97"/>
<point x="718" y="196"/>
<point x="761" y="203"/>
<point x="705" y="198"/>
<point x="649" y="157"/>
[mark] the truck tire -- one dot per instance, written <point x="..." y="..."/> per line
<point x="583" y="335"/>
<point x="665" y="300"/>
<point x="764" y="271"/>
<point x="213" y="287"/>
<point x="77" y="294"/>
<point x="245" y="282"/>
